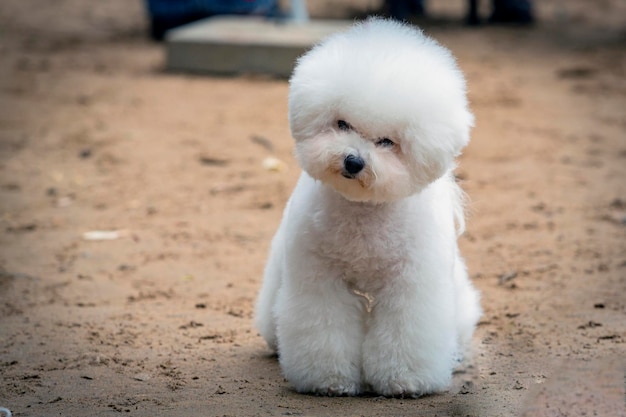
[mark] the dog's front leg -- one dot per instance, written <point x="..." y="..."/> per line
<point x="320" y="333"/>
<point x="410" y="345"/>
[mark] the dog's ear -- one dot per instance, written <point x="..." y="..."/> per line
<point x="433" y="147"/>
<point x="462" y="135"/>
<point x="308" y="116"/>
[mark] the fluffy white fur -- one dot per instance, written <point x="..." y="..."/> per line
<point x="386" y="94"/>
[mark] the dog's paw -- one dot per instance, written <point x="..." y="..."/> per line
<point x="333" y="387"/>
<point x="406" y="386"/>
<point x="399" y="389"/>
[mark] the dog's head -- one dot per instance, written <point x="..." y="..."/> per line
<point x="378" y="112"/>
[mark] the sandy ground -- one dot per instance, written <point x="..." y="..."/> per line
<point x="95" y="135"/>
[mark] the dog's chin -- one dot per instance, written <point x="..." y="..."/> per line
<point x="353" y="188"/>
<point x="365" y="187"/>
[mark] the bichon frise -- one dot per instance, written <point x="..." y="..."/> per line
<point x="364" y="289"/>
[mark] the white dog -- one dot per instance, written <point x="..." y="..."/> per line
<point x="365" y="290"/>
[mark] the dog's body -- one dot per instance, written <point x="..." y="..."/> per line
<point x="365" y="289"/>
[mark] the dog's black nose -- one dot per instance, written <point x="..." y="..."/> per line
<point x="352" y="165"/>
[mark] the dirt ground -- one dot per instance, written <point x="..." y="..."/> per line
<point x="96" y="135"/>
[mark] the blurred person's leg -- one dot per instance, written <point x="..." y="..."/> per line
<point x="472" y="13"/>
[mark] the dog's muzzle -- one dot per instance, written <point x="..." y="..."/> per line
<point x="352" y="165"/>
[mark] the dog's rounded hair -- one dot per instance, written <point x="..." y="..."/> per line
<point x="388" y="79"/>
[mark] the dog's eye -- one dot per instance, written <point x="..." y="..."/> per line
<point x="385" y="142"/>
<point x="343" y="125"/>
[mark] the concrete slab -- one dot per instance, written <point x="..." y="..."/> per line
<point x="234" y="45"/>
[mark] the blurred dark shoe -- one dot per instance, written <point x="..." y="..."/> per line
<point x="404" y="9"/>
<point x="159" y="25"/>
<point x="512" y="12"/>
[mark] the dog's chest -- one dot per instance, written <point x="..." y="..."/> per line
<point x="363" y="242"/>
